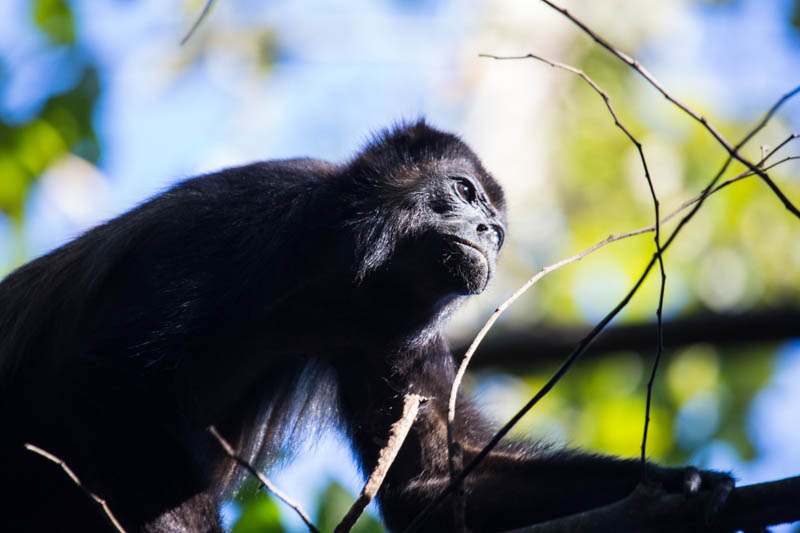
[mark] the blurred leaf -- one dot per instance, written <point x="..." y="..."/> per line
<point x="335" y="501"/>
<point x="692" y="370"/>
<point x="72" y="113"/>
<point x="268" y="50"/>
<point x="13" y="186"/>
<point x="745" y="371"/>
<point x="795" y="20"/>
<point x="54" y="18"/>
<point x="618" y="425"/>
<point x="27" y="150"/>
<point x="249" y="490"/>
<point x="619" y="375"/>
<point x="259" y="515"/>
<point x="38" y="144"/>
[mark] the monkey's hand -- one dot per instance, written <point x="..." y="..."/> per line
<point x="690" y="481"/>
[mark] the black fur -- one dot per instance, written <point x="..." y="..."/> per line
<point x="259" y="299"/>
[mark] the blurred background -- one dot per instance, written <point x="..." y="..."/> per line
<point x="101" y="108"/>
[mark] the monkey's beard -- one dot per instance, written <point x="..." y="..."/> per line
<point x="467" y="268"/>
<point x="441" y="265"/>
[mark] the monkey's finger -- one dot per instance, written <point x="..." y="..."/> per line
<point x="719" y="495"/>
<point x="691" y="481"/>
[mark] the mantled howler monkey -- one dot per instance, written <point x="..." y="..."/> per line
<point x="258" y="299"/>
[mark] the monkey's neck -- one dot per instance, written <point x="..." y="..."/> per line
<point x="371" y="392"/>
<point x="394" y="317"/>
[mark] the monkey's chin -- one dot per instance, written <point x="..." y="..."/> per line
<point x="468" y="269"/>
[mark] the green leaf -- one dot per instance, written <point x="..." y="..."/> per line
<point x="335" y="501"/>
<point x="14" y="185"/>
<point x="71" y="113"/>
<point x="54" y="18"/>
<point x="259" y="515"/>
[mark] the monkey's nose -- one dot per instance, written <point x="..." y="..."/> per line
<point x="491" y="233"/>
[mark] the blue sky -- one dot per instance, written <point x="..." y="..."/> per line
<point x="343" y="70"/>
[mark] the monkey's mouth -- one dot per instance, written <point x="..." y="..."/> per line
<point x="468" y="244"/>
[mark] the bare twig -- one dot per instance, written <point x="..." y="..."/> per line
<point x="657" y="237"/>
<point x="397" y="435"/>
<point x="100" y="501"/>
<point x="699" y="197"/>
<point x="580" y="255"/>
<point x="584" y="344"/>
<point x="456" y="457"/>
<point x="262" y="478"/>
<point x="733" y="151"/>
<point x="203" y="14"/>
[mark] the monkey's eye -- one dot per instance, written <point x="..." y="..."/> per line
<point x="465" y="190"/>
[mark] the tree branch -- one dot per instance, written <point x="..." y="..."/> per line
<point x="470" y="351"/>
<point x="397" y="435"/>
<point x="651" y="510"/>
<point x="100" y="501"/>
<point x="657" y="239"/>
<point x="584" y="344"/>
<point x="542" y="345"/>
<point x="262" y="478"/>
<point x="203" y="14"/>
<point x="733" y="151"/>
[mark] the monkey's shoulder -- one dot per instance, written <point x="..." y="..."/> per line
<point x="269" y="176"/>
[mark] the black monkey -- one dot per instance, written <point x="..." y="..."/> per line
<point x="256" y="299"/>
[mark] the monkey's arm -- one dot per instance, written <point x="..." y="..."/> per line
<point x="516" y="485"/>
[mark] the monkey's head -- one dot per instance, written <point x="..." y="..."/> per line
<point x="426" y="210"/>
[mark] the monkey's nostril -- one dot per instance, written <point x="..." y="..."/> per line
<point x="498" y="236"/>
<point x="482" y="228"/>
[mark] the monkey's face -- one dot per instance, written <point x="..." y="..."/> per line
<point x="458" y="235"/>
<point x="468" y="234"/>
<point x="427" y="220"/>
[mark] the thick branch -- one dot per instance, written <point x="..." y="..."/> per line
<point x="653" y="511"/>
<point x="544" y="345"/>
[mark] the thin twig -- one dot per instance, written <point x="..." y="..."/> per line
<point x="584" y="344"/>
<point x="397" y="435"/>
<point x="262" y="478"/>
<point x="716" y="188"/>
<point x="657" y="237"/>
<point x="60" y="462"/>
<point x="476" y="341"/>
<point x="732" y="151"/>
<point x="203" y="14"/>
<point x="456" y="456"/>
<point x="608" y="240"/>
